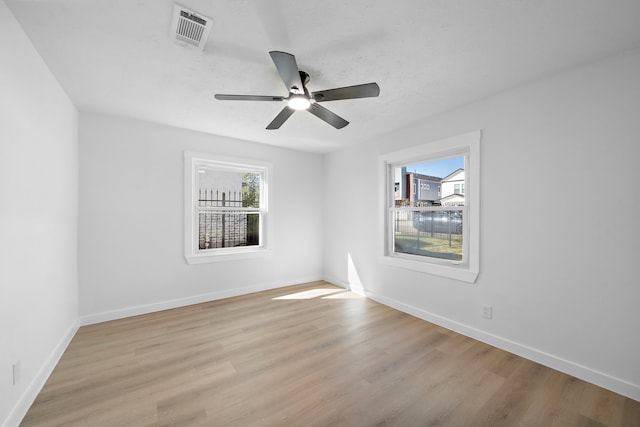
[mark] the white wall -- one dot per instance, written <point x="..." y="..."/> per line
<point x="559" y="245"/>
<point x="38" y="219"/>
<point x="131" y="255"/>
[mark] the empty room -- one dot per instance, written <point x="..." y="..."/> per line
<point x="337" y="213"/>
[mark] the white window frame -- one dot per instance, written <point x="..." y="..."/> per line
<point x="467" y="144"/>
<point x="192" y="253"/>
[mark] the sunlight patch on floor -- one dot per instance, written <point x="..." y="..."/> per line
<point x="344" y="295"/>
<point x="311" y="293"/>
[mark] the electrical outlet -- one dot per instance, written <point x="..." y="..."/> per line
<point x="16" y="372"/>
<point x="487" y="312"/>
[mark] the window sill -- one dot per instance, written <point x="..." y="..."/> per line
<point x="458" y="272"/>
<point x="231" y="255"/>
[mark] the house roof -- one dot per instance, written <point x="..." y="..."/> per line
<point x="426" y="177"/>
<point x="446" y="178"/>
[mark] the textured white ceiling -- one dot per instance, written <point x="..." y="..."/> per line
<point x="428" y="56"/>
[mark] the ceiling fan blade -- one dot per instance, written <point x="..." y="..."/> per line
<point x="288" y="70"/>
<point x="281" y="118"/>
<point x="367" y="90"/>
<point x="332" y="118"/>
<point x="247" y="97"/>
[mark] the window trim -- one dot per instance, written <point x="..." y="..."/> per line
<point x="468" y="143"/>
<point x="191" y="252"/>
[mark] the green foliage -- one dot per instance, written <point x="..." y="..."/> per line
<point x="251" y="190"/>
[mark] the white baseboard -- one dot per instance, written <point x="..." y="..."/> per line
<point x="31" y="392"/>
<point x="181" y="302"/>
<point x="590" y="375"/>
<point x="338" y="282"/>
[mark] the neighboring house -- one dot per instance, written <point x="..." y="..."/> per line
<point x="453" y="183"/>
<point x="416" y="188"/>
<point x="452" y="200"/>
<point x="453" y="189"/>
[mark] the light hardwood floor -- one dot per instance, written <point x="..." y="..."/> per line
<point x="309" y="355"/>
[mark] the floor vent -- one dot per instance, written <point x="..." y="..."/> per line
<point x="189" y="27"/>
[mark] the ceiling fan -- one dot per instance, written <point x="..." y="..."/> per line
<point x="299" y="97"/>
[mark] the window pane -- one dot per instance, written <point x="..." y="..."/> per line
<point x="218" y="188"/>
<point x="226" y="208"/>
<point x="435" y="234"/>
<point x="251" y="190"/>
<point x="224" y="188"/>
<point x="426" y="231"/>
<point x="231" y="189"/>
<point x="430" y="183"/>
<point x="228" y="229"/>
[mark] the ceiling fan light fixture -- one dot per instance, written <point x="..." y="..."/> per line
<point x="298" y="102"/>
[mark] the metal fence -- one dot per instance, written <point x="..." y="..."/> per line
<point x="429" y="233"/>
<point x="222" y="226"/>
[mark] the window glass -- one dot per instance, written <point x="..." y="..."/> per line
<point x="225" y="207"/>
<point x="430" y="194"/>
<point x="429" y="223"/>
<point x="228" y="208"/>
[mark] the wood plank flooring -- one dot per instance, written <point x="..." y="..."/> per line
<point x="309" y="355"/>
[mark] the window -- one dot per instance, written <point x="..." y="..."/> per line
<point x="226" y="207"/>
<point x="437" y="233"/>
